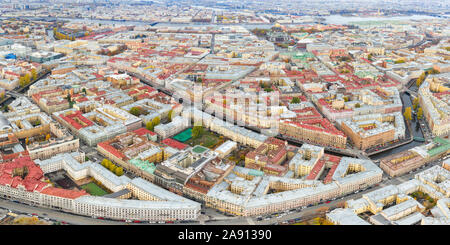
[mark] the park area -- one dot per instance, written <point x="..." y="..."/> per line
<point x="424" y="199"/>
<point x="94" y="189"/>
<point x="207" y="139"/>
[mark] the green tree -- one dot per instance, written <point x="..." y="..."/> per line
<point x="345" y="98"/>
<point x="84" y="90"/>
<point x="407" y="114"/>
<point x="199" y="80"/>
<point x="197" y="131"/>
<point x="357" y="105"/>
<point x="136" y="111"/>
<point x="295" y="100"/>
<point x="112" y="167"/>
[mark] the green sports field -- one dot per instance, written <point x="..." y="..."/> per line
<point x="94" y="189"/>
<point x="184" y="136"/>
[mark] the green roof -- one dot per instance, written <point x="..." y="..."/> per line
<point x="443" y="147"/>
<point x="303" y="56"/>
<point x="143" y="165"/>
<point x="255" y="172"/>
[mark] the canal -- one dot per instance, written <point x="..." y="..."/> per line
<point x="415" y="128"/>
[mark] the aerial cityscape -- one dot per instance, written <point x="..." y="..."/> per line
<point x="205" y="112"/>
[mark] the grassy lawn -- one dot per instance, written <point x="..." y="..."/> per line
<point x="207" y="138"/>
<point x="94" y="189"/>
<point x="424" y="199"/>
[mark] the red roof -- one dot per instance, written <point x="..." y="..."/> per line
<point x="174" y="143"/>
<point x="316" y="170"/>
<point x="78" y="115"/>
<point x="106" y="146"/>
<point x="59" y="192"/>
<point x="143" y="131"/>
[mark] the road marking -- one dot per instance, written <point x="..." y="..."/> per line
<point x="250" y="221"/>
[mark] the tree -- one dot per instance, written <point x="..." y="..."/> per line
<point x="295" y="100"/>
<point x="112" y="167"/>
<point x="135" y="111"/>
<point x="419" y="113"/>
<point x="199" y="80"/>
<point x="27" y="141"/>
<point x="197" y="131"/>
<point x="357" y="105"/>
<point x="149" y="126"/>
<point x="104" y="162"/>
<point x="22" y="82"/>
<point x="27" y="78"/>
<point x="33" y="74"/>
<point x="407" y="113"/>
<point x="84" y="90"/>
<point x="345" y="98"/>
<point x="369" y="57"/>
<point x="170" y="115"/>
<point x="415" y="103"/>
<point x="119" y="171"/>
<point x="418" y="82"/>
<point x="433" y="71"/>
<point x="420" y="79"/>
<point x="156" y="121"/>
<point x="47" y="137"/>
